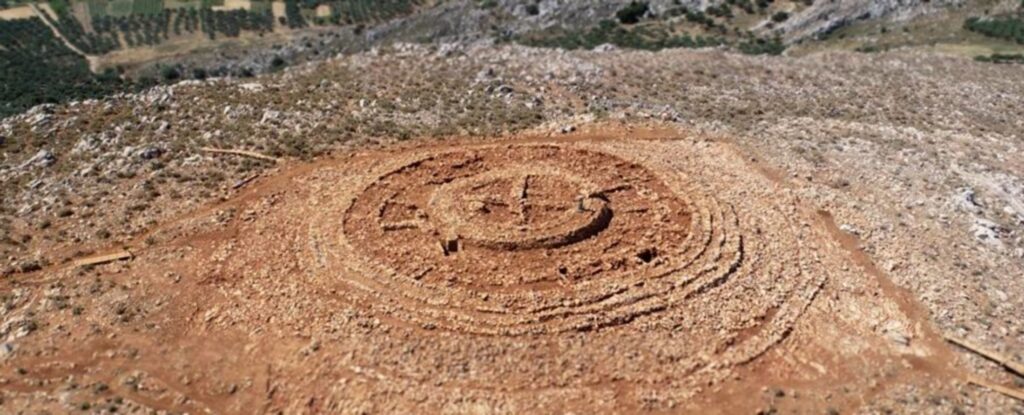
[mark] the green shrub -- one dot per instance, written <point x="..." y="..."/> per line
<point x="1007" y="28"/>
<point x="632" y="13"/>
<point x="698" y="16"/>
<point x="761" y="46"/>
<point x="277" y="63"/>
<point x="746" y="5"/>
<point x="170" y="73"/>
<point x="607" y="31"/>
<point x="1001" y="58"/>
<point x="723" y="10"/>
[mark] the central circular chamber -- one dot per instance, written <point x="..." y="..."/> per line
<point x="518" y="209"/>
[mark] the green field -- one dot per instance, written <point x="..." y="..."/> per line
<point x="119" y="8"/>
<point x="147" y="6"/>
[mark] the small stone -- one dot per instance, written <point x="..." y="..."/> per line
<point x="150" y="152"/>
<point x="967" y="199"/>
<point x="986" y="231"/>
<point x="485" y="74"/>
<point x="44" y="158"/>
<point x="850" y="229"/>
<point x="311" y="348"/>
<point x="896" y="332"/>
<point x="251" y="87"/>
<point x="270" y="116"/>
<point x="1000" y="295"/>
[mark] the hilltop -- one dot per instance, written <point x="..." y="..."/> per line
<point x="839" y="132"/>
<point x="509" y="207"/>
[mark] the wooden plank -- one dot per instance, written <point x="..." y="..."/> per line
<point x="102" y="259"/>
<point x="988" y="354"/>
<point x="245" y="181"/>
<point x="1011" y="392"/>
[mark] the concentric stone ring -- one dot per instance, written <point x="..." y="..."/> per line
<point x="679" y="258"/>
<point x="531" y="239"/>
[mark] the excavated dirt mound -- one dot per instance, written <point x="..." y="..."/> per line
<point x="591" y="274"/>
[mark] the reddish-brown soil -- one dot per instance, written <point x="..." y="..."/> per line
<point x="616" y="272"/>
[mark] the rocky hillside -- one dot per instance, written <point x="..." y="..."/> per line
<point x="825" y="16"/>
<point x="747" y="26"/>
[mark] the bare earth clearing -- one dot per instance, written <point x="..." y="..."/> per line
<point x="681" y="231"/>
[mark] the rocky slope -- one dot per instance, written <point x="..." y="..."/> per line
<point x="469" y="21"/>
<point x="826" y="16"/>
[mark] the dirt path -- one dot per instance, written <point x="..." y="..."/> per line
<point x="14" y="13"/>
<point x="45" y="17"/>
